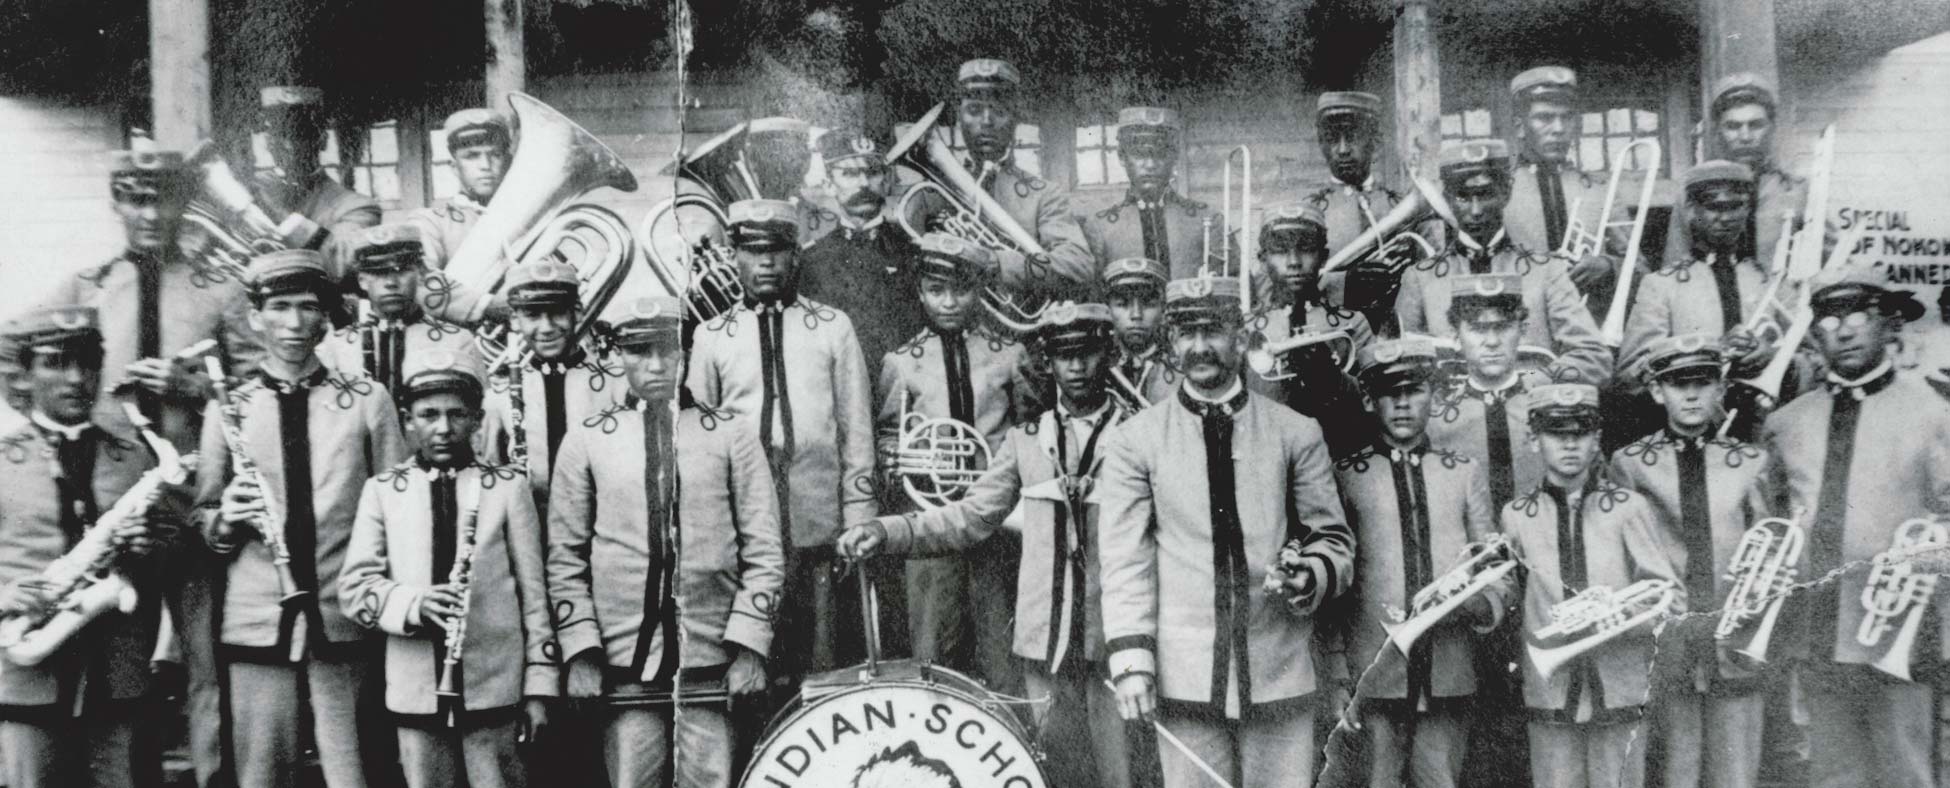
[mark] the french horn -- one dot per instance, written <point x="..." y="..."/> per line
<point x="939" y="458"/>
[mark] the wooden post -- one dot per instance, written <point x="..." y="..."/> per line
<point x="507" y="61"/>
<point x="179" y="72"/>
<point x="1418" y="89"/>
<point x="1734" y="36"/>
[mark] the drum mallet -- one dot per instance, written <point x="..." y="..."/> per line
<point x="1181" y="747"/>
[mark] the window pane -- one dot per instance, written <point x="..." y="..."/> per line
<point x="1089" y="137"/>
<point x="1645" y="122"/>
<point x="1090" y="167"/>
<point x="1618" y="120"/>
<point x="1477" y="122"/>
<point x="1452" y="125"/>
<point x="1592" y="123"/>
<point x="1116" y="168"/>
<point x="362" y="180"/>
<point x="385" y="183"/>
<point x="383" y="147"/>
<point x="1591" y="153"/>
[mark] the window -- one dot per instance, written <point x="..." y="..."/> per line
<point x="446" y="183"/>
<point x="1097" y="162"/>
<point x="1028" y="150"/>
<point x="375" y="173"/>
<point x="1603" y="134"/>
<point x="1470" y="125"/>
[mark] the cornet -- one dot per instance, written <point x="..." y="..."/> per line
<point x="1268" y="357"/>
<point x="1594" y="617"/>
<point x="1481" y="566"/>
<point x="1762" y="571"/>
<point x="938" y="458"/>
<point x="1896" y="590"/>
<point x="972" y="214"/>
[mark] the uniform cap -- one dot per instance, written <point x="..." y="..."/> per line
<point x="1857" y="287"/>
<point x="1146" y="127"/>
<point x="1070" y="326"/>
<point x="1681" y="352"/>
<point x="143" y="168"/>
<point x="652" y="320"/>
<point x="1463" y="159"/>
<point x="387" y="247"/>
<point x="1347" y="104"/>
<point x="1135" y="271"/>
<point x="476" y="126"/>
<point x="542" y="284"/>
<point x="55" y="328"/>
<point x="1489" y="289"/>
<point x="1391" y="363"/>
<point x="288" y="271"/>
<point x="1288" y="224"/>
<point x="1718" y="171"/>
<point x="953" y="257"/>
<point x="763" y="224"/>
<point x="442" y="371"/>
<point x="1202" y="299"/>
<point x="1742" y="87"/>
<point x="988" y="74"/>
<point x="838" y="145"/>
<point x="1554" y="82"/>
<point x="1564" y="407"/>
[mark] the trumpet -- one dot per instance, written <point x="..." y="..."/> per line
<point x="83" y="581"/>
<point x="1268" y="357"/>
<point x="1594" y="617"/>
<point x="1896" y="589"/>
<point x="1762" y="570"/>
<point x="972" y="214"/>
<point x="1386" y="235"/>
<point x="1480" y="566"/>
<point x="939" y="458"/>
<point x="1579" y="242"/>
<point x="269" y="529"/>
<point x="461" y="578"/>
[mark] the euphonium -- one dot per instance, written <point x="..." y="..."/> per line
<point x="1481" y="565"/>
<point x="938" y="458"/>
<point x="270" y="528"/>
<point x="972" y="214"/>
<point x="84" y="583"/>
<point x="1594" y="617"/>
<point x="1381" y="239"/>
<point x="1897" y="590"/>
<point x="1268" y="357"/>
<point x="461" y="579"/>
<point x="1762" y="570"/>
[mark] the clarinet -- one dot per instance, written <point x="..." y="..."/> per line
<point x="461" y="577"/>
<point x="517" y="418"/>
<point x="369" y="339"/>
<point x="269" y="529"/>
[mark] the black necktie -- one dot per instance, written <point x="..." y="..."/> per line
<point x="388" y="354"/>
<point x="1496" y="422"/>
<point x="1831" y="517"/>
<point x="1418" y="565"/>
<point x="1067" y="588"/>
<point x="954" y="363"/>
<point x="1551" y="189"/>
<point x="300" y="525"/>
<point x="1727" y="283"/>
<point x="75" y="479"/>
<point x="148" y="326"/>
<point x="446" y="537"/>
<point x="660" y="493"/>
<point x="1695" y="524"/>
<point x="1157" y="242"/>
<point x="1573" y="578"/>
<point x="1230" y="593"/>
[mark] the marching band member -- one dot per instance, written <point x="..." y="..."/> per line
<point x="14" y="383"/>
<point x="416" y="522"/>
<point x="1577" y="531"/>
<point x="1742" y="116"/>
<point x="84" y="715"/>
<point x="865" y="267"/>
<point x="1476" y="180"/>
<point x="1134" y="290"/>
<point x="985" y="116"/>
<point x="563" y="383"/>
<point x="1547" y="186"/>
<point x="1154" y="221"/>
<point x="315" y="434"/>
<point x="1484" y="417"/>
<point x="1860" y="455"/>
<point x="1292" y="245"/>
<point x="1048" y="467"/>
<point x="1414" y="508"/>
<point x="1347" y="124"/>
<point x="480" y="147"/>
<point x="958" y="604"/>
<point x="1223" y="664"/>
<point x="792" y="366"/>
<point x="390" y="261"/>
<point x="661" y="520"/>
<point x="1704" y="493"/>
<point x="295" y="121"/>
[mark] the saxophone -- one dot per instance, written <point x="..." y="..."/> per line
<point x="461" y="577"/>
<point x="269" y="529"/>
<point x="1899" y="589"/>
<point x="84" y="580"/>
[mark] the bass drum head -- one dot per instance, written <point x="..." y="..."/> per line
<point x="900" y="733"/>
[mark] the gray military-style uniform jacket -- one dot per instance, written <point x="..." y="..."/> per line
<point x="1558" y="318"/>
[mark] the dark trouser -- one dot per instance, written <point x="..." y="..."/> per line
<point x="1868" y="732"/>
<point x="191" y="608"/>
<point x="113" y="745"/>
<point x="961" y="610"/>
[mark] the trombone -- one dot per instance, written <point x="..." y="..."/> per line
<point x="1241" y="227"/>
<point x="1579" y="242"/>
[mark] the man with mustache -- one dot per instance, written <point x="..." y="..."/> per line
<point x="1547" y="186"/>
<point x="1199" y="494"/>
<point x="1153" y="221"/>
<point x="1859" y="455"/>
<point x="865" y="266"/>
<point x="1047" y="467"/>
<point x="1704" y="493"/>
<point x="1476" y="179"/>
<point x="985" y="115"/>
<point x="392" y="327"/>
<point x="294" y="122"/>
<point x="792" y="367"/>
<point x="1742" y="121"/>
<point x="1347" y="124"/>
<point x="1292" y="244"/>
<point x="315" y="434"/>
<point x="1134" y="290"/>
<point x="86" y="715"/>
<point x="958" y="605"/>
<point x="480" y="147"/>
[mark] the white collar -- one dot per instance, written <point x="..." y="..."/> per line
<point x="1501" y="387"/>
<point x="1880" y="370"/>
<point x="70" y="432"/>
<point x="1230" y="392"/>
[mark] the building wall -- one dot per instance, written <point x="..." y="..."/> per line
<point x="54" y="211"/>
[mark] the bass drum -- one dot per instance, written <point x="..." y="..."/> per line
<point x="910" y="726"/>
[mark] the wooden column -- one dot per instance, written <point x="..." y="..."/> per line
<point x="1418" y="88"/>
<point x="1736" y="35"/>
<point x="179" y="72"/>
<point x="507" y="61"/>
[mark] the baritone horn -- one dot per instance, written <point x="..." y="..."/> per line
<point x="1898" y="591"/>
<point x="1762" y="571"/>
<point x="1579" y="242"/>
<point x="1594" y="617"/>
<point x="533" y="217"/>
<point x="971" y="214"/>
<point x="938" y="458"/>
<point x="1482" y="565"/>
<point x="1268" y="358"/>
<point x="1380" y="240"/>
<point x="226" y="226"/>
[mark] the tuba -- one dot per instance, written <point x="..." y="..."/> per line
<point x="972" y="214"/>
<point x="1481" y="565"/>
<point x="938" y="458"/>
<point x="85" y="583"/>
<point x="1594" y="617"/>
<point x="532" y="217"/>
<point x="764" y="158"/>
<point x="1897" y="590"/>
<point x="1387" y="235"/>
<point x="1762" y="571"/>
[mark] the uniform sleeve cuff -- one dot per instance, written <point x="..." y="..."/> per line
<point x="750" y="631"/>
<point x="1132" y="655"/>
<point x="900" y="534"/>
<point x="541" y="681"/>
<point x="579" y="637"/>
<point x="400" y="614"/>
